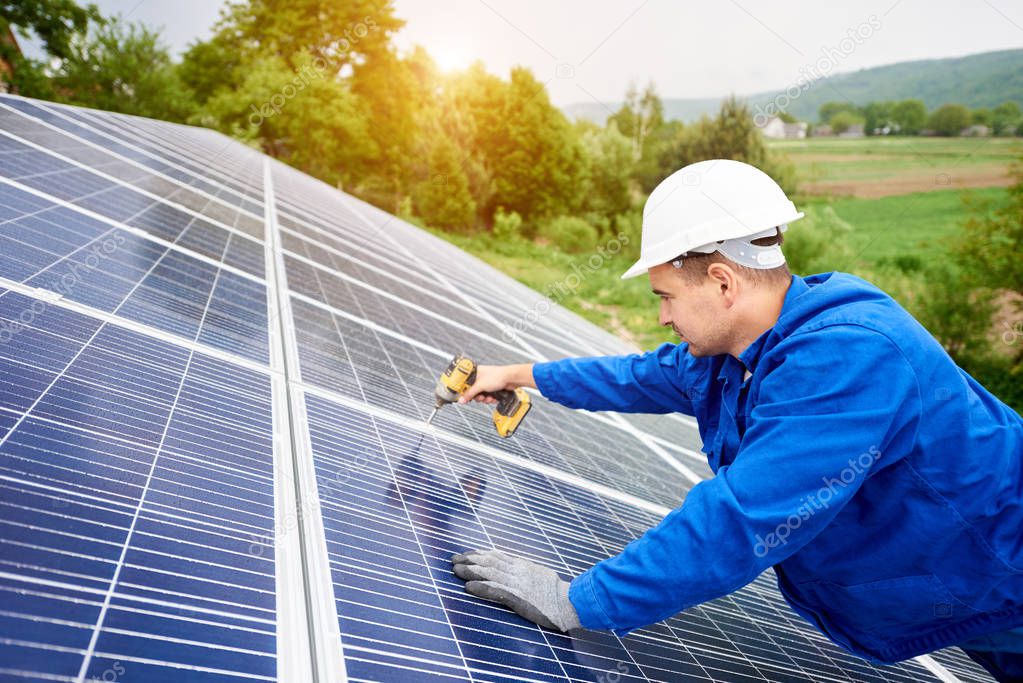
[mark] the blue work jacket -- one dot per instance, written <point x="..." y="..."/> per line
<point x="882" y="483"/>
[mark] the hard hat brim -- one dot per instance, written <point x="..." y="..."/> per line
<point x="638" y="268"/>
<point x="643" y="265"/>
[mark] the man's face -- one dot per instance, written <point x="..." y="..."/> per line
<point x="697" y="312"/>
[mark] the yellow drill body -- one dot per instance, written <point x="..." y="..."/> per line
<point x="460" y="374"/>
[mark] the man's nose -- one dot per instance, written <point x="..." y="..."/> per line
<point x="665" y="314"/>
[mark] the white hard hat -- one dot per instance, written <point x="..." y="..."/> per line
<point x="716" y="205"/>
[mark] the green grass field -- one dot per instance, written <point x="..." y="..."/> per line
<point x="912" y="224"/>
<point x="878" y="166"/>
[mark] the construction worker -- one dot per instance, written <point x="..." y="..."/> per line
<point x="882" y="483"/>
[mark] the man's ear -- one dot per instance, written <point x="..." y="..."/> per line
<point x="727" y="281"/>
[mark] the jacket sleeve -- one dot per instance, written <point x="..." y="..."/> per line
<point x="665" y="380"/>
<point x="841" y="403"/>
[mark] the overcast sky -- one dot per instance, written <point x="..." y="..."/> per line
<point x="589" y="50"/>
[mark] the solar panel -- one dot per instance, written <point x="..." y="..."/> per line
<point x="214" y="464"/>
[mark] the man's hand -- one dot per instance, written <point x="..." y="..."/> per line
<point x="530" y="590"/>
<point x="497" y="377"/>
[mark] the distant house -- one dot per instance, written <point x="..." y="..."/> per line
<point x="822" y="131"/>
<point x="853" y="131"/>
<point x="6" y="68"/>
<point x="774" y="127"/>
<point x="975" y="131"/>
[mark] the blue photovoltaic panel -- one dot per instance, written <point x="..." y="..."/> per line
<point x="188" y="174"/>
<point x="137" y="488"/>
<point x="52" y="247"/>
<point x="397" y="505"/>
<point x="140" y="538"/>
<point x="351" y="359"/>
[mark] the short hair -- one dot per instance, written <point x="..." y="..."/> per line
<point x="695" y="264"/>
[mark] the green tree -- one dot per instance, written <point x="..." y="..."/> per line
<point x="443" y="199"/>
<point x="1005" y="117"/>
<point x="531" y="154"/>
<point x="123" y="67"/>
<point x="469" y="109"/>
<point x="949" y="120"/>
<point x="657" y="159"/>
<point x="401" y="112"/>
<point x="335" y="34"/>
<point x="955" y="310"/>
<point x="909" y="116"/>
<point x="829" y="109"/>
<point x="844" y="120"/>
<point x="981" y="117"/>
<point x="729" y="135"/>
<point x="307" y="118"/>
<point x="56" y="23"/>
<point x="292" y="77"/>
<point x="641" y="120"/>
<point x="878" y="118"/>
<point x="992" y="240"/>
<point x="609" y="160"/>
<point x="207" y="66"/>
<point x="986" y="254"/>
<point x="639" y="116"/>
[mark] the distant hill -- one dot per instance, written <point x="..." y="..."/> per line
<point x="983" y="80"/>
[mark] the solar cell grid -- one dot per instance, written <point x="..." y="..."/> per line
<point x="68" y="119"/>
<point x="397" y="505"/>
<point x="134" y="475"/>
<point x="155" y="435"/>
<point x="55" y="248"/>
<point x="342" y="356"/>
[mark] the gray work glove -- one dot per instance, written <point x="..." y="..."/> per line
<point x="528" y="589"/>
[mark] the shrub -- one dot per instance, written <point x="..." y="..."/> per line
<point x="569" y="233"/>
<point x="819" y="242"/>
<point x="507" y="226"/>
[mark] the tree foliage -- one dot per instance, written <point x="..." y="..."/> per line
<point x="54" y="22"/>
<point x="844" y="120"/>
<point x="1006" y="117"/>
<point x="949" y="120"/>
<point x="731" y="134"/>
<point x="909" y="116"/>
<point x="830" y="109"/>
<point x="639" y="116"/>
<point x="322" y="87"/>
<point x="123" y="67"/>
<point x="609" y="168"/>
<point x="992" y="240"/>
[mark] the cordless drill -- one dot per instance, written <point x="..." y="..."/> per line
<point x="460" y="374"/>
